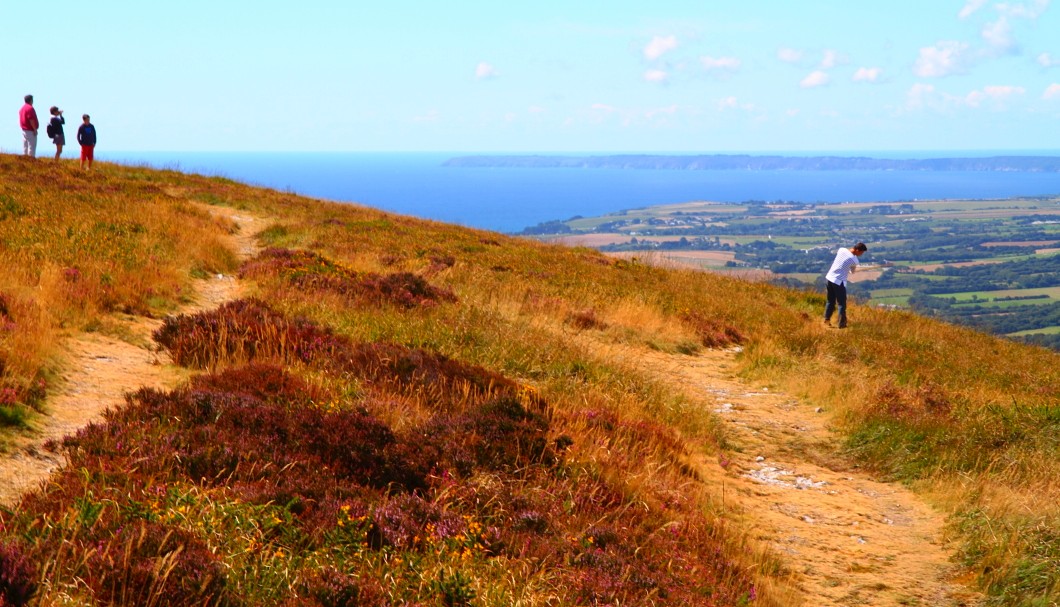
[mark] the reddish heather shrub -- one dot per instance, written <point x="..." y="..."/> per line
<point x="584" y="320"/>
<point x="150" y="564"/>
<point x="446" y="381"/>
<point x="331" y="588"/>
<point x="18" y="574"/>
<point x="712" y="332"/>
<point x="262" y="381"/>
<point x="403" y="289"/>
<point x="928" y="400"/>
<point x="408" y="522"/>
<point x="244" y="330"/>
<point x="499" y="434"/>
<point x="307" y="270"/>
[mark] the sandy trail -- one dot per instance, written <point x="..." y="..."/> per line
<point x="101" y="370"/>
<point x="848" y="539"/>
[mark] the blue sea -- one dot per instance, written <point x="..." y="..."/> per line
<point x="510" y="199"/>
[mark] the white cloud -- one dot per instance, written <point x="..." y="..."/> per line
<point x="659" y="46"/>
<point x="1046" y="60"/>
<point x="728" y="64"/>
<point x="485" y="71"/>
<point x="1053" y="92"/>
<point x="1003" y="92"/>
<point x="668" y="110"/>
<point x="815" y="79"/>
<point x="970" y="7"/>
<point x="943" y="59"/>
<point x="999" y="36"/>
<point x="867" y="74"/>
<point x="535" y="109"/>
<point x="1031" y="10"/>
<point x="918" y="96"/>
<point x="728" y="103"/>
<point x="997" y="94"/>
<point x="603" y="107"/>
<point x="733" y="103"/>
<point x="659" y="76"/>
<point x="789" y="55"/>
<point x="830" y="59"/>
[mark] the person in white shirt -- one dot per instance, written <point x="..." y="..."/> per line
<point x="846" y="262"/>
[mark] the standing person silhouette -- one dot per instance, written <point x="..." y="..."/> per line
<point x="27" y="119"/>
<point x="86" y="136"/>
<point x="845" y="263"/>
<point x="56" y="130"/>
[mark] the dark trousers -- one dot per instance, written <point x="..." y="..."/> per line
<point x="837" y="300"/>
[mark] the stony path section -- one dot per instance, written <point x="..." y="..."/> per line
<point x="848" y="539"/>
<point x="101" y="370"/>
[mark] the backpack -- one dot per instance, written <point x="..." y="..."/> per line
<point x="51" y="130"/>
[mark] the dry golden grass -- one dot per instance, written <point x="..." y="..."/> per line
<point x="968" y="418"/>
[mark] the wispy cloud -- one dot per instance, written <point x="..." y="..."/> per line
<point x="485" y="71"/>
<point x="998" y="95"/>
<point x="603" y="107"/>
<point x="659" y="46"/>
<point x="669" y="110"/>
<point x="720" y="64"/>
<point x="830" y="59"/>
<point x="733" y="103"/>
<point x="970" y="8"/>
<point x="943" y="59"/>
<point x="867" y="74"/>
<point x="998" y="35"/>
<point x="1052" y="92"/>
<point x="657" y="76"/>
<point x="919" y="96"/>
<point x="815" y="79"/>
<point x="1046" y="60"/>
<point x="789" y="55"/>
<point x="1023" y="10"/>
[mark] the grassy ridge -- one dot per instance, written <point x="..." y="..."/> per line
<point x="423" y="338"/>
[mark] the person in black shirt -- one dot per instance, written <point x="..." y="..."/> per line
<point x="56" y="131"/>
<point x="86" y="136"/>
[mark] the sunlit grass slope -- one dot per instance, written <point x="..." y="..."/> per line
<point x="413" y="412"/>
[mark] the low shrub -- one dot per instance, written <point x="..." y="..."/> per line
<point x="18" y="574"/>
<point x="310" y="271"/>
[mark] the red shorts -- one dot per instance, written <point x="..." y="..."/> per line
<point x="86" y="152"/>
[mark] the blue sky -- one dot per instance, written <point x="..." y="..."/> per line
<point x="547" y="75"/>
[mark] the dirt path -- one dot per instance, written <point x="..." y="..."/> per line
<point x="100" y="370"/>
<point x="848" y="539"/>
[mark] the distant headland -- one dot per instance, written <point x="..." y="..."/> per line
<point x="744" y="162"/>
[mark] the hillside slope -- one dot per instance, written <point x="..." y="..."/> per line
<point x="482" y="420"/>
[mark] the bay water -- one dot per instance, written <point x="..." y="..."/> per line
<point x="510" y="199"/>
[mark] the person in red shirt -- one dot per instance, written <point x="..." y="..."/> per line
<point x="27" y="119"/>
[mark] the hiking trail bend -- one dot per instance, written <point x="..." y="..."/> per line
<point x="847" y="538"/>
<point x="100" y="370"/>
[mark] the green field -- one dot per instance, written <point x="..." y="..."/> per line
<point x="952" y="258"/>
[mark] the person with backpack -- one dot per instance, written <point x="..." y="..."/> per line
<point x="55" y="130"/>
<point x="27" y="119"/>
<point x="86" y="136"/>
